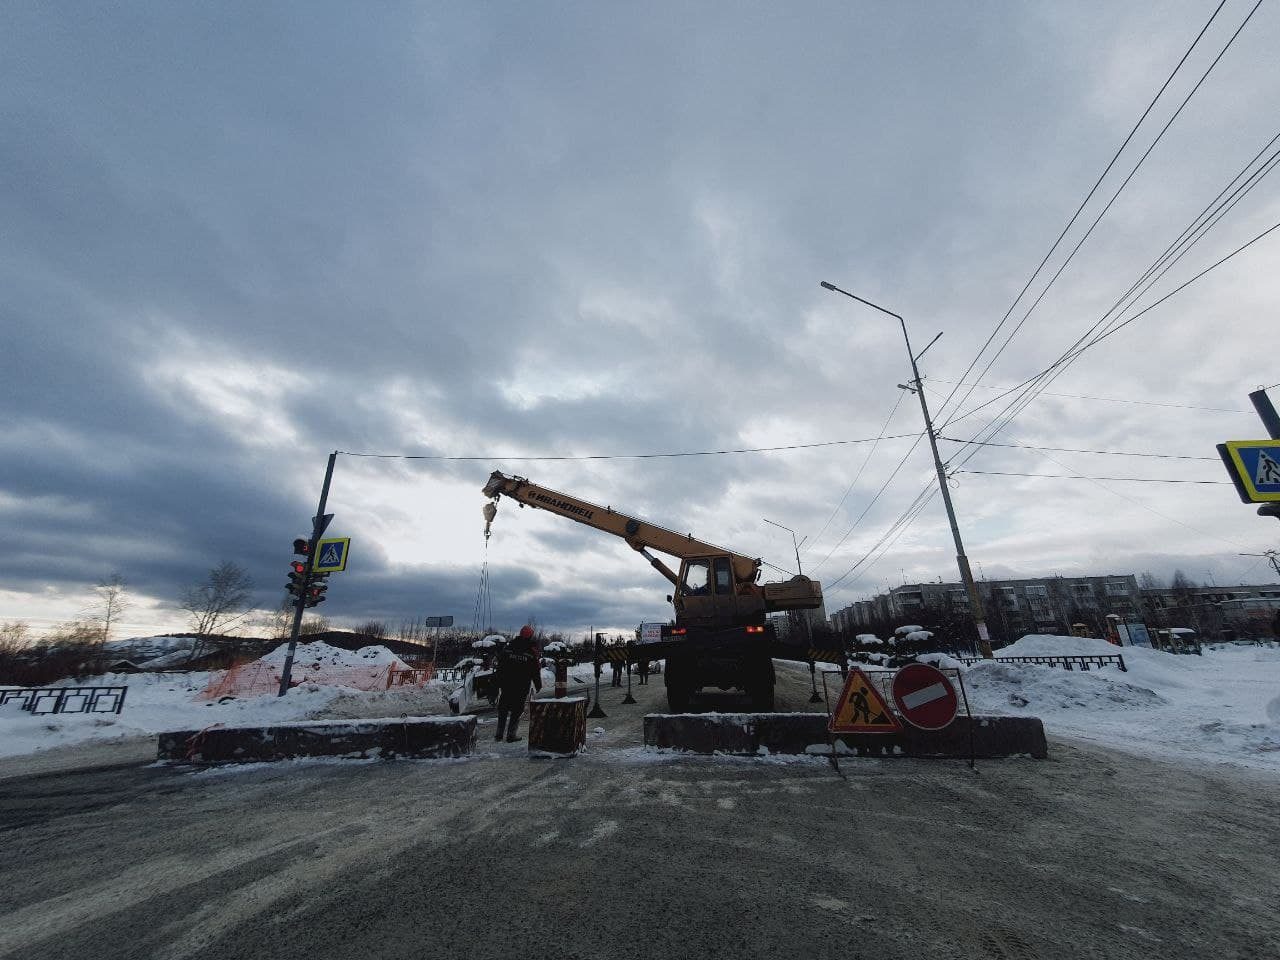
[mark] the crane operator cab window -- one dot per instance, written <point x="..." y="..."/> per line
<point x="697" y="578"/>
<point x="724" y="576"/>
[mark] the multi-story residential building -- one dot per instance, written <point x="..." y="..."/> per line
<point x="1012" y="607"/>
<point x="1053" y="604"/>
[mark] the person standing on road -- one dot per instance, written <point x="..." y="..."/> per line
<point x="617" y="672"/>
<point x="644" y="671"/>
<point x="517" y="669"/>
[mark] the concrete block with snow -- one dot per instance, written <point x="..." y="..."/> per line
<point x="413" y="737"/>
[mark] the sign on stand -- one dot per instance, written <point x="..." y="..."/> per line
<point x="861" y="709"/>
<point x="439" y="621"/>
<point x="925" y="697"/>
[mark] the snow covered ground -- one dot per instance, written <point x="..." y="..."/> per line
<point x="156" y="702"/>
<point x="1221" y="708"/>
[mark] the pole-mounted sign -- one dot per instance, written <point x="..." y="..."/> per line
<point x="331" y="555"/>
<point x="1254" y="466"/>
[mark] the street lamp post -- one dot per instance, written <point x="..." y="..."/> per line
<point x="793" y="540"/>
<point x="966" y="575"/>
<point x="803" y="614"/>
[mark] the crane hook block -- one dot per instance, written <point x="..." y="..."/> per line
<point x="490" y="511"/>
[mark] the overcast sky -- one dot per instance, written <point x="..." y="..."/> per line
<point x="234" y="238"/>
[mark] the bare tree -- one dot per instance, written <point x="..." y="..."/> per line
<point x="313" y="624"/>
<point x="111" y="600"/>
<point x="218" y="602"/>
<point x="377" y="629"/>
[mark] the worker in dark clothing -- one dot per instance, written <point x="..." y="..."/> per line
<point x="644" y="671"/>
<point x="517" y="668"/>
<point x="616" y="665"/>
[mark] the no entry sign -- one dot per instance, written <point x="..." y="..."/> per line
<point x="925" y="697"/>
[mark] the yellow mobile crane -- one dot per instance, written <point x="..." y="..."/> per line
<point x="721" y="636"/>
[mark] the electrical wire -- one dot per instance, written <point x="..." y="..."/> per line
<point x="1065" y="476"/>
<point x="1119" y="190"/>
<point x="1078" y="396"/>
<point x="1109" y="453"/>
<point x="633" y="456"/>
<point x="1080" y="209"/>
<point x="871" y="503"/>
<point x="857" y="476"/>
<point x="1208" y="217"/>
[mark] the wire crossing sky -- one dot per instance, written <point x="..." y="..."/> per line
<point x="589" y="238"/>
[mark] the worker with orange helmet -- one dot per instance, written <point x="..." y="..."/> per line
<point x="517" y="669"/>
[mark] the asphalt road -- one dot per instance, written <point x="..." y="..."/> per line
<point x="619" y="853"/>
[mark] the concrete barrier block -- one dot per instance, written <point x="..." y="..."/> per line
<point x="416" y="737"/>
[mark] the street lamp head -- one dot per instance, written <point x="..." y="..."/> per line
<point x="828" y="286"/>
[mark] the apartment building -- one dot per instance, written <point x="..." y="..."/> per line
<point x="1012" y="607"/>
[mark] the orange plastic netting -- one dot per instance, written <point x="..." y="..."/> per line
<point x="260" y="677"/>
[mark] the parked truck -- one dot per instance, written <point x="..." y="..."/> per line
<point x="721" y="636"/>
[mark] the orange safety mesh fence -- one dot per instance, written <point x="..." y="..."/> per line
<point x="259" y="677"/>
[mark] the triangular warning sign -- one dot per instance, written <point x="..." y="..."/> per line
<point x="1268" y="470"/>
<point x="861" y="709"/>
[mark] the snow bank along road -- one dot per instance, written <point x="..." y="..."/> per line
<point x="619" y="854"/>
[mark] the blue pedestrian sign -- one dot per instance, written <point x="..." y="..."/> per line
<point x="1254" y="466"/>
<point x="331" y="555"/>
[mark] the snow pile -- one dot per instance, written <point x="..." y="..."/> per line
<point x="1223" y="707"/>
<point x="909" y="629"/>
<point x="153" y="651"/>
<point x="318" y="655"/>
<point x="155" y="702"/>
<point x="869" y="639"/>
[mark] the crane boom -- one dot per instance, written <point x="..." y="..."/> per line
<point x="639" y="534"/>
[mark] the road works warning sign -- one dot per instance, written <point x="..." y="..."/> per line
<point x="861" y="709"/>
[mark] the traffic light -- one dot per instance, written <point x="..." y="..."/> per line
<point x="316" y="590"/>
<point x="298" y="568"/>
<point x="297" y="578"/>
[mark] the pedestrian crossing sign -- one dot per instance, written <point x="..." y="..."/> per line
<point x="331" y="555"/>
<point x="1255" y="467"/>
<point x="861" y="708"/>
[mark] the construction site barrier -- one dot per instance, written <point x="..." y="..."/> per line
<point x="1101" y="660"/>
<point x="66" y="699"/>
<point x="411" y="677"/>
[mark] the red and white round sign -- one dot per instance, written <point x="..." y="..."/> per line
<point x="924" y="696"/>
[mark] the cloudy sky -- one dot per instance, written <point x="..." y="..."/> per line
<point x="234" y="238"/>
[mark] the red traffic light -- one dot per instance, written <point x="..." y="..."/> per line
<point x="302" y="546"/>
<point x="298" y="566"/>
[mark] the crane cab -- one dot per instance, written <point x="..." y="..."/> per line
<point x="707" y="594"/>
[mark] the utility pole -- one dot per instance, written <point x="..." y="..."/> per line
<point x="318" y="525"/>
<point x="962" y="561"/>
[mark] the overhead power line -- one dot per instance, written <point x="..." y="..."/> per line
<point x="1075" y="216"/>
<point x="1116" y="195"/>
<point x="631" y="456"/>
<point x="1080" y="396"/>
<point x="857" y="476"/>
<point x="1073" y="476"/>
<point x="1109" y="453"/>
